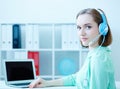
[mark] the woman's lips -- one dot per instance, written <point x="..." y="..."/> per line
<point x="84" y="39"/>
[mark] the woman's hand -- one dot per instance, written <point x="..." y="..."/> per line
<point x="38" y="83"/>
<point x="44" y="83"/>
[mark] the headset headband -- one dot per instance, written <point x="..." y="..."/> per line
<point x="103" y="27"/>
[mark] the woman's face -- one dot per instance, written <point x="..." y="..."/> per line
<point x="87" y="29"/>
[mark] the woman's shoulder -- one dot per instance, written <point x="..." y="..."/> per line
<point x="101" y="53"/>
<point x="102" y="59"/>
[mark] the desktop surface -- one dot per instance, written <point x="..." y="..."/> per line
<point x="4" y="86"/>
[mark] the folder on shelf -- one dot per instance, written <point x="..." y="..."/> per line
<point x="75" y="38"/>
<point x="69" y="37"/>
<point x="32" y="36"/>
<point x="6" y="36"/>
<point x="64" y="37"/>
<point x="20" y="55"/>
<point x="35" y="56"/>
<point x="35" y="37"/>
<point x="3" y="36"/>
<point x="23" y="35"/>
<point x="9" y="36"/>
<point x="29" y="36"/>
<point x="16" y="36"/>
<point x="0" y="67"/>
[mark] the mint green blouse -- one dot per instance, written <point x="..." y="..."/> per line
<point x="96" y="73"/>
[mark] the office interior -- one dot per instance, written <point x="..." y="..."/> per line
<point x="58" y="12"/>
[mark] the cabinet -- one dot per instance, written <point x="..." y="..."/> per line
<point x="59" y="49"/>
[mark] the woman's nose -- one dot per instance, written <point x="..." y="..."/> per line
<point x="82" y="32"/>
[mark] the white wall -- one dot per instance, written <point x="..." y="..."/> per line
<point x="44" y="11"/>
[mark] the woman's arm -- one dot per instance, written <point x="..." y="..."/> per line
<point x="66" y="81"/>
<point x="45" y="83"/>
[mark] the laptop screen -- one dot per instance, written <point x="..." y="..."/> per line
<point x="19" y="70"/>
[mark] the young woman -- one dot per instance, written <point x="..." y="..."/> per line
<point x="97" y="71"/>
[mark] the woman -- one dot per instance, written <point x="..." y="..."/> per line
<point x="97" y="71"/>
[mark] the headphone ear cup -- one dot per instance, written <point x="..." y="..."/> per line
<point x="103" y="29"/>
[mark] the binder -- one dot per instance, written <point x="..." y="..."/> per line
<point x="3" y="36"/>
<point x="9" y="36"/>
<point x="35" y="37"/>
<point x="16" y="36"/>
<point x="0" y="38"/>
<point x="64" y="37"/>
<point x="69" y="37"/>
<point x="0" y="65"/>
<point x="23" y="35"/>
<point x="75" y="38"/>
<point x="6" y="36"/>
<point x="20" y="55"/>
<point x="32" y="36"/>
<point x="29" y="36"/>
<point x="35" y="56"/>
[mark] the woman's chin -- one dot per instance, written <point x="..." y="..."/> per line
<point x="85" y="44"/>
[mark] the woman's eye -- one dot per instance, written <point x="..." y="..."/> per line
<point x="79" y="28"/>
<point x="89" y="27"/>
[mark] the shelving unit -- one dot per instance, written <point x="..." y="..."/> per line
<point x="57" y="43"/>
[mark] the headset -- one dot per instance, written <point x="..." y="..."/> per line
<point x="103" y="28"/>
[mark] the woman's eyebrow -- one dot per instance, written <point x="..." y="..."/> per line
<point x="78" y="26"/>
<point x="87" y="24"/>
<point x="84" y="25"/>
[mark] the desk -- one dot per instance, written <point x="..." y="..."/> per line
<point x="4" y="86"/>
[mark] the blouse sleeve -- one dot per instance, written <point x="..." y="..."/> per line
<point x="99" y="72"/>
<point x="69" y="80"/>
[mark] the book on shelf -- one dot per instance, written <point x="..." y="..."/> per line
<point x="16" y="36"/>
<point x="35" y="56"/>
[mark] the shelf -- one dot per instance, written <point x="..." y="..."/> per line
<point x="57" y="45"/>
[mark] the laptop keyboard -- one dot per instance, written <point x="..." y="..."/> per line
<point x="25" y="85"/>
<point x="21" y="84"/>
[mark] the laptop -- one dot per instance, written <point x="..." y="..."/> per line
<point x="19" y="73"/>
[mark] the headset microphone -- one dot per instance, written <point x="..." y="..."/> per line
<point x="103" y="28"/>
<point x="94" y="40"/>
<point x="97" y="37"/>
